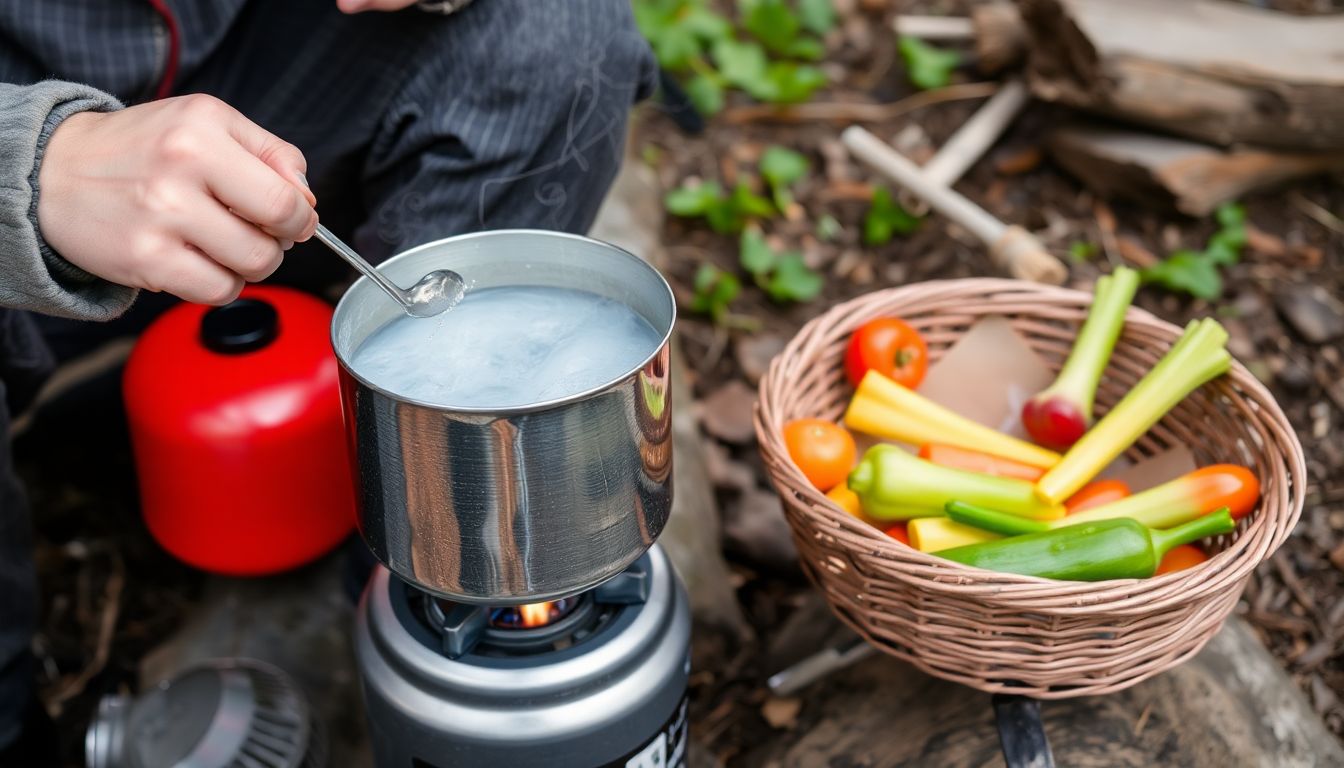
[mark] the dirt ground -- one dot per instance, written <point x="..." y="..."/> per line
<point x="109" y="594"/>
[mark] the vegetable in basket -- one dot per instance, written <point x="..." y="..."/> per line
<point x="1096" y="551"/>
<point x="1096" y="493"/>
<point x="1173" y="503"/>
<point x="890" y="347"/>
<point x="894" y="485"/>
<point x="885" y="409"/>
<point x="1059" y="415"/>
<point x="975" y="461"/>
<point x="824" y="451"/>
<point x="1198" y="356"/>
<point x="1181" y="558"/>
<point x="846" y="500"/>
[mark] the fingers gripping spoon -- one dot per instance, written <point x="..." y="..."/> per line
<point x="435" y="293"/>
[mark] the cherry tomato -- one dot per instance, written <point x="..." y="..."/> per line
<point x="824" y="451"/>
<point x="891" y="348"/>
<point x="1180" y="558"/>
<point x="899" y="533"/>
<point x="1096" y="493"/>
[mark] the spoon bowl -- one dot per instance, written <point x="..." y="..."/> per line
<point x="433" y="294"/>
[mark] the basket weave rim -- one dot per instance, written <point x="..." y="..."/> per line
<point x="1224" y="569"/>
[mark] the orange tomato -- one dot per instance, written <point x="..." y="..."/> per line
<point x="1224" y="485"/>
<point x="1096" y="493"/>
<point x="1180" y="558"/>
<point x="899" y="533"/>
<point x="824" y="451"/>
<point x="890" y="347"/>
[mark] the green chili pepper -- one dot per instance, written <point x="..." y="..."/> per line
<point x="1107" y="549"/>
<point x="992" y="520"/>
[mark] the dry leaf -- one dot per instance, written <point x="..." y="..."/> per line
<point x="782" y="713"/>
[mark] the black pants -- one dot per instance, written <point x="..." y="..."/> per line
<point x="510" y="113"/>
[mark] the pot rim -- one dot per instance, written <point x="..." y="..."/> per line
<point x="545" y="405"/>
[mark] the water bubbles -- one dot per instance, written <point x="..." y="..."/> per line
<point x="507" y="347"/>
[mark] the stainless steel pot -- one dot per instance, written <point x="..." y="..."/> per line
<point x="512" y="505"/>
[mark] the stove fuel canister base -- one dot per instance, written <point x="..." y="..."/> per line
<point x="445" y="688"/>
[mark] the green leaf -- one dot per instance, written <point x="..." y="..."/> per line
<point x="675" y="46"/>
<point x="1230" y="215"/>
<point x="741" y="63"/>
<point x="886" y="218"/>
<point x="693" y="201"/>
<point x="793" y="280"/>
<point x="1080" y="251"/>
<point x="828" y="228"/>
<point x="773" y="23"/>
<point x="788" y="83"/>
<point x="1224" y="248"/>
<point x="705" y="24"/>
<point x="1187" y="272"/>
<point x="817" y="15"/>
<point x="782" y="166"/>
<point x="808" y="48"/>
<point x="927" y="66"/>
<point x="749" y="203"/>
<point x="715" y="290"/>
<point x="755" y="254"/>
<point x="705" y="93"/>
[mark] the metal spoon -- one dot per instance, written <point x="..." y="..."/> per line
<point x="435" y="293"/>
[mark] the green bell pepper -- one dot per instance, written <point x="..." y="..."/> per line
<point x="1107" y="549"/>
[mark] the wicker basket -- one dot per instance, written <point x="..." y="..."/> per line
<point x="1021" y="634"/>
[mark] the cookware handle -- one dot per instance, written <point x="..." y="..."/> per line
<point x="1021" y="732"/>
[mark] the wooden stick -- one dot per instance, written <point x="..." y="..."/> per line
<point x="934" y="27"/>
<point x="977" y="134"/>
<point x="1012" y="248"/>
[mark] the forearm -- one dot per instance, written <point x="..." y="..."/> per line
<point x="32" y="276"/>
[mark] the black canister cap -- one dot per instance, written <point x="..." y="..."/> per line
<point x="243" y="325"/>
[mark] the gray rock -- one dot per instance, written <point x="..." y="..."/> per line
<point x="1315" y="314"/>
<point x="1231" y="705"/>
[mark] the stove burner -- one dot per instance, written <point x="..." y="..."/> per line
<point x="527" y="630"/>
<point x="532" y="615"/>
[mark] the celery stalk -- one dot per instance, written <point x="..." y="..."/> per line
<point x="1059" y="415"/>
<point x="1196" y="358"/>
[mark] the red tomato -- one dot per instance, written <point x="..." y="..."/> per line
<point x="1180" y="558"/>
<point x="824" y="451"/>
<point x="891" y="348"/>
<point x="899" y="533"/>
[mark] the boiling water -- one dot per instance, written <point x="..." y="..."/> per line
<point x="505" y="347"/>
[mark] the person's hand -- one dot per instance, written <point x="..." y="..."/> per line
<point x="359" y="6"/>
<point x="183" y="195"/>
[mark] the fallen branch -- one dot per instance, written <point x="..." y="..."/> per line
<point x="111" y="610"/>
<point x="858" y="112"/>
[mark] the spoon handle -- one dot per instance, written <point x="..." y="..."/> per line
<point x="334" y="243"/>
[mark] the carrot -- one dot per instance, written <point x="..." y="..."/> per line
<point x="1179" y="501"/>
<point x="1096" y="493"/>
<point x="975" y="461"/>
<point x="1180" y="558"/>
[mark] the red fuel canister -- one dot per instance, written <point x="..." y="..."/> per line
<point x="235" y="420"/>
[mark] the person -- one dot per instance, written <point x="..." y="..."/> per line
<point x="184" y="146"/>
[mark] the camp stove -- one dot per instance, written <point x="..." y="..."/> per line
<point x="594" y="679"/>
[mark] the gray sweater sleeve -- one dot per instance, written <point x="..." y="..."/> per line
<point x="32" y="276"/>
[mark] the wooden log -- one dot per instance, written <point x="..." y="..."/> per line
<point x="1215" y="71"/>
<point x="1012" y="248"/>
<point x="996" y="28"/>
<point x="1163" y="171"/>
